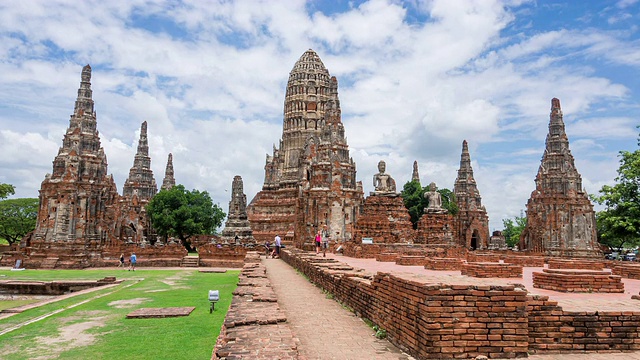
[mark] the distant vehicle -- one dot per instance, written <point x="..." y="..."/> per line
<point x="629" y="257"/>
<point x="612" y="256"/>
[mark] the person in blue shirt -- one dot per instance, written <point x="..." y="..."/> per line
<point x="132" y="261"/>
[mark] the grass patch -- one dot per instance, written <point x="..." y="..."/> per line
<point x="98" y="329"/>
<point x="8" y="304"/>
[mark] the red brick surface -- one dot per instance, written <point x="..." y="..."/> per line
<point x="491" y="270"/>
<point x="255" y="327"/>
<point x="387" y="257"/>
<point x="411" y="260"/>
<point x="576" y="280"/>
<point x="529" y="261"/>
<point x="429" y="321"/>
<point x="556" y="263"/>
<point x="447" y="264"/>
<point x="628" y="271"/>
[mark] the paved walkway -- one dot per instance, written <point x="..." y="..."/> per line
<point x="328" y="331"/>
<point x="325" y="329"/>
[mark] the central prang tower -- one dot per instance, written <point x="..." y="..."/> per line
<point x="560" y="216"/>
<point x="310" y="180"/>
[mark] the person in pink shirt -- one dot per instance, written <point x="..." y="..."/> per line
<point x="318" y="242"/>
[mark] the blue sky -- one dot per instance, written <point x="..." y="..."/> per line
<point x="416" y="79"/>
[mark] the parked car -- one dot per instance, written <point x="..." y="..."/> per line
<point x="612" y="256"/>
<point x="629" y="257"/>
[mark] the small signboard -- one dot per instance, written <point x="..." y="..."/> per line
<point x="367" y="240"/>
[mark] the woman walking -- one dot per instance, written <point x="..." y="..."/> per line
<point x="121" y="261"/>
<point x="318" y="242"/>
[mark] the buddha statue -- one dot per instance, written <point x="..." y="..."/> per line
<point x="435" y="200"/>
<point x="383" y="182"/>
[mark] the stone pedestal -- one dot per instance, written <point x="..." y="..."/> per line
<point x="435" y="229"/>
<point x="385" y="219"/>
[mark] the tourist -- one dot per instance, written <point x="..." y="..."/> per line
<point x="318" y="242"/>
<point x="132" y="262"/>
<point x="121" y="261"/>
<point x="267" y="247"/>
<point x="325" y="241"/>
<point x="278" y="244"/>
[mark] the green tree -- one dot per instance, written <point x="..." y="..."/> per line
<point x="6" y="190"/>
<point x="182" y="214"/>
<point x="17" y="218"/>
<point x="415" y="202"/>
<point x="618" y="224"/>
<point x="412" y="195"/>
<point x="513" y="228"/>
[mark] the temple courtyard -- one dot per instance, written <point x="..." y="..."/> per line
<point x="304" y="321"/>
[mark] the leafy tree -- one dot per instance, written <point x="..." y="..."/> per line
<point x="415" y="202"/>
<point x="182" y="213"/>
<point x="619" y="223"/>
<point x="6" y="190"/>
<point x="412" y="195"/>
<point x="17" y="218"/>
<point x="513" y="228"/>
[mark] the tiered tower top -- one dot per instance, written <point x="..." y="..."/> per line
<point x="81" y="155"/>
<point x="311" y="115"/>
<point x="169" y="181"/>
<point x="140" y="181"/>
<point x="465" y="187"/>
<point x="557" y="173"/>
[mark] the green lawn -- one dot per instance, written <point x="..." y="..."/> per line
<point x="98" y="329"/>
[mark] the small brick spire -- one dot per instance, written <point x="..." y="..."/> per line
<point x="169" y="181"/>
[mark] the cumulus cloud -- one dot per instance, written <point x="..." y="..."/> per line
<point x="415" y="80"/>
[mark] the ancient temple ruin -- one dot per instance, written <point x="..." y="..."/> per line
<point x="139" y="188"/>
<point x="77" y="200"/>
<point x="472" y="221"/>
<point x="237" y="229"/>
<point x="82" y="220"/>
<point x="560" y="216"/>
<point x="310" y="180"/>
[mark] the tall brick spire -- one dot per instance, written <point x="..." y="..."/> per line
<point x="140" y="181"/>
<point x="472" y="220"/>
<point x="465" y="185"/>
<point x="310" y="180"/>
<point x="560" y="216"/>
<point x="237" y="224"/>
<point x="77" y="199"/>
<point x="415" y="176"/>
<point x="169" y="181"/>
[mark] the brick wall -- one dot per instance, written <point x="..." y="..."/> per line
<point x="371" y="251"/>
<point x="555" y="263"/>
<point x="574" y="280"/>
<point x="428" y="321"/>
<point x="448" y="264"/>
<point x="411" y="260"/>
<point x="629" y="271"/>
<point x="387" y="257"/>
<point x="553" y="330"/>
<point x="491" y="270"/>
<point x="480" y="257"/>
<point x="255" y="327"/>
<point x="528" y="261"/>
<point x="463" y="321"/>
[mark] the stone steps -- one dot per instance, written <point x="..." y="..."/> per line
<point x="190" y="261"/>
<point x="49" y="263"/>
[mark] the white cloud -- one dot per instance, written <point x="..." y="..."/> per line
<point x="212" y="91"/>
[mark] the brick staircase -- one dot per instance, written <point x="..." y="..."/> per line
<point x="49" y="263"/>
<point x="190" y="261"/>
